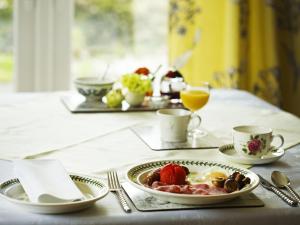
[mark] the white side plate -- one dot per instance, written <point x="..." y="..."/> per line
<point x="92" y="188"/>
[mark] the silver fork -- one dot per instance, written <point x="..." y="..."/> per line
<point x="114" y="186"/>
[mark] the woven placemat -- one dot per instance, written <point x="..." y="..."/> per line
<point x="145" y="202"/>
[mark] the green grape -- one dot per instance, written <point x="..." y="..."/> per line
<point x="136" y="83"/>
<point x="114" y="98"/>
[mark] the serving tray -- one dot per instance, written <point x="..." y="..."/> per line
<point x="76" y="103"/>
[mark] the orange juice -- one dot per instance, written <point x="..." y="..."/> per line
<point x="194" y="99"/>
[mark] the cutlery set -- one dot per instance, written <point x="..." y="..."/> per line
<point x="115" y="186"/>
<point x="280" y="180"/>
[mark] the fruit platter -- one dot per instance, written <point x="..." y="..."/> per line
<point x="192" y="182"/>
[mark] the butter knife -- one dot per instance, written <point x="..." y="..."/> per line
<point x="267" y="185"/>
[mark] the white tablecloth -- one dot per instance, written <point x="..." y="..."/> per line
<point x="107" y="211"/>
<point x="38" y="126"/>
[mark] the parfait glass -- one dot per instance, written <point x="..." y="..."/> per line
<point x="194" y="98"/>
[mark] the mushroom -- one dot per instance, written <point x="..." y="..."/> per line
<point x="230" y="185"/>
<point x="239" y="179"/>
<point x="218" y="182"/>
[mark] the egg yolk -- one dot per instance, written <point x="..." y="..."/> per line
<point x="216" y="174"/>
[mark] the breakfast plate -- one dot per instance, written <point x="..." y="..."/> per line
<point x="137" y="174"/>
<point x="232" y="155"/>
<point x="92" y="189"/>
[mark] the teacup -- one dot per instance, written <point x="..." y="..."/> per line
<point x="254" y="141"/>
<point x="174" y="124"/>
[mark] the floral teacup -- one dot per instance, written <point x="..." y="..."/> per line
<point x="254" y="141"/>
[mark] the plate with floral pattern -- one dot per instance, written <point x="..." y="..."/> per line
<point x="232" y="155"/>
<point x="136" y="177"/>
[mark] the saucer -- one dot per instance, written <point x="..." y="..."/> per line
<point x="231" y="154"/>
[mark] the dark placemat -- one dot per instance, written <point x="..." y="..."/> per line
<point x="145" y="202"/>
<point x="76" y="104"/>
<point x="150" y="135"/>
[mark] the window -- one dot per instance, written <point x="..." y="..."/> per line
<point x="121" y="34"/>
<point x="6" y="45"/>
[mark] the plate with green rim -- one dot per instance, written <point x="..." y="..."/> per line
<point x="137" y="173"/>
<point x="93" y="189"/>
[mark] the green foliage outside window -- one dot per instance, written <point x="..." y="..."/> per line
<point x="6" y="65"/>
<point x="104" y="27"/>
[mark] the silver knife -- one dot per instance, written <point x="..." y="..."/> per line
<point x="266" y="184"/>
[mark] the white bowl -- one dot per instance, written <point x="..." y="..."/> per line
<point x="134" y="99"/>
<point x="93" y="88"/>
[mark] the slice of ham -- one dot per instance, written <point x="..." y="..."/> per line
<point x="194" y="189"/>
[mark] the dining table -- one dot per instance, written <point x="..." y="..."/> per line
<point x="39" y="126"/>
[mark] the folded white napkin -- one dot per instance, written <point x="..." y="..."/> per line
<point x="46" y="181"/>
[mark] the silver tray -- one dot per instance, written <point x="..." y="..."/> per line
<point x="76" y="104"/>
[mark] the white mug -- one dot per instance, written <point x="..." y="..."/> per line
<point x="254" y="141"/>
<point x="174" y="124"/>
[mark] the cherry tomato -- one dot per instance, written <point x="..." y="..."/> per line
<point x="143" y="70"/>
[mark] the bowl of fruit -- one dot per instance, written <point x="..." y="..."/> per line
<point x="131" y="87"/>
<point x="135" y="87"/>
<point x="192" y="182"/>
<point x="93" y="88"/>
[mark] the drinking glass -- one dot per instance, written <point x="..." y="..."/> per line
<point x="194" y="98"/>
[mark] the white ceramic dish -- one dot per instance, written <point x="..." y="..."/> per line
<point x="232" y="155"/>
<point x="159" y="101"/>
<point x="92" y="188"/>
<point x="136" y="174"/>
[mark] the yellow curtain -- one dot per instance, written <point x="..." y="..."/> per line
<point x="246" y="44"/>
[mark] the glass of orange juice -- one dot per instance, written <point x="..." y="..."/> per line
<point x="194" y="98"/>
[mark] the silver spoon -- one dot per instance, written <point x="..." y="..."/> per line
<point x="282" y="181"/>
<point x="101" y="77"/>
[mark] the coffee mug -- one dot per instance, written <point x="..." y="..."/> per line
<point x="254" y="141"/>
<point x="175" y="123"/>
